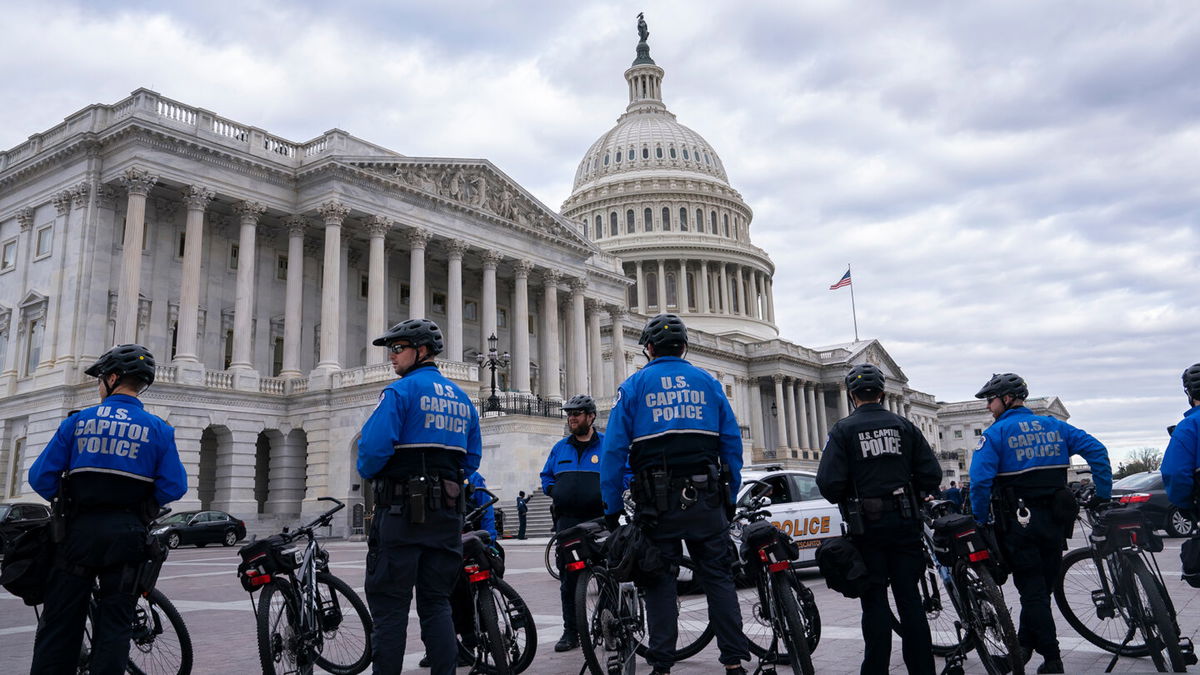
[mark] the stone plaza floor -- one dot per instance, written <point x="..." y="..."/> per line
<point x="203" y="585"/>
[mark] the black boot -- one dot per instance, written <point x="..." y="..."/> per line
<point x="1051" y="666"/>
<point x="567" y="642"/>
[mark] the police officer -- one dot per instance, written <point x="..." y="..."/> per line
<point x="674" y="427"/>
<point x="418" y="446"/>
<point x="122" y="466"/>
<point x="571" y="477"/>
<point x="1019" y="470"/>
<point x="1181" y="461"/>
<point x="883" y="463"/>
<point x="522" y="513"/>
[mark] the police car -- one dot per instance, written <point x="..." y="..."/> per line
<point x="797" y="507"/>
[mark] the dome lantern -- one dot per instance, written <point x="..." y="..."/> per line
<point x="644" y="76"/>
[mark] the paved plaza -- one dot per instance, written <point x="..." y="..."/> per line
<point x="203" y="585"/>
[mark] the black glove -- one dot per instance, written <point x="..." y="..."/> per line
<point x="1097" y="503"/>
<point x="612" y="520"/>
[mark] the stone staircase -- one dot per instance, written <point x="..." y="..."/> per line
<point x="537" y="523"/>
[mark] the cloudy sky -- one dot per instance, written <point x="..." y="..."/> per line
<point x="1014" y="182"/>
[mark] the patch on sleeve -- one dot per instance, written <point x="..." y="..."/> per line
<point x="617" y="398"/>
<point x="979" y="445"/>
<point x="379" y="402"/>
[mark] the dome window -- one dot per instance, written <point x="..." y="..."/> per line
<point x="712" y="221"/>
<point x="645" y="152"/>
<point x="658" y="152"/>
<point x="599" y="227"/>
<point x="685" y="153"/>
<point x="683" y="217"/>
<point x="618" y="157"/>
<point x="666" y="223"/>
<point x="630" y="227"/>
<point x="672" y="152"/>
<point x="726" y="224"/>
<point x="612" y="223"/>
<point x="699" y="221"/>
<point x="606" y="159"/>
<point x="647" y="220"/>
<point x="706" y="159"/>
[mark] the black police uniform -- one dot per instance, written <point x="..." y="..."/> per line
<point x="869" y="455"/>
<point x="424" y="427"/>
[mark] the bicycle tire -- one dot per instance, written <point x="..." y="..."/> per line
<point x="155" y="647"/>
<point x="345" y="647"/>
<point x="940" y="612"/>
<point x="756" y="622"/>
<point x="279" y="650"/>
<point x="521" y="629"/>
<point x="795" y="632"/>
<point x="695" y="630"/>
<point x="1159" y="620"/>
<point x="1078" y="578"/>
<point x="551" y="557"/>
<point x="991" y="624"/>
<point x="491" y="638"/>
<point x="593" y="589"/>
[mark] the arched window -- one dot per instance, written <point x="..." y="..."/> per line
<point x="682" y="219"/>
<point x="672" y="300"/>
<point x="645" y="152"/>
<point x="699" y="221"/>
<point x="685" y="153"/>
<point x="706" y="159"/>
<point x="652" y="289"/>
<point x="599" y="227"/>
<point x="666" y="224"/>
<point x="647" y="220"/>
<point x="606" y="159"/>
<point x="735" y="302"/>
<point x="712" y="222"/>
<point x="726" y="224"/>
<point x="631" y="296"/>
<point x="618" y="156"/>
<point x="612" y="223"/>
<point x="672" y="152"/>
<point x="691" y="291"/>
<point x="629" y="218"/>
<point x="658" y="152"/>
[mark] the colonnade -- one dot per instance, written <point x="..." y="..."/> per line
<point x="717" y="288"/>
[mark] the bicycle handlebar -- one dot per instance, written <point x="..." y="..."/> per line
<point x="320" y="521"/>
<point x="477" y="512"/>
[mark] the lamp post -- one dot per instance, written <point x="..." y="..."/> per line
<point x="493" y="360"/>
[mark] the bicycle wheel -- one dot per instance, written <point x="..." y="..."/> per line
<point x="160" y="643"/>
<point x="756" y="619"/>
<point x="793" y="628"/>
<point x="280" y="649"/>
<point x="1102" y="621"/>
<point x="517" y="625"/>
<point x="595" y="602"/>
<point x="1158" y="626"/>
<point x="551" y="557"/>
<point x="493" y="657"/>
<point x="695" y="629"/>
<point x="939" y="612"/>
<point x="991" y="625"/>
<point x="345" y="627"/>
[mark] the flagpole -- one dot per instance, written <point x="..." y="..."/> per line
<point x="853" y="310"/>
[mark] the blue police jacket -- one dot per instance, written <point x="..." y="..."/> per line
<point x="571" y="477"/>
<point x="1024" y="449"/>
<point x="116" y="438"/>
<point x="1181" y="462"/>
<point x="422" y="410"/>
<point x="953" y="494"/>
<point x="488" y="521"/>
<point x="668" y="398"/>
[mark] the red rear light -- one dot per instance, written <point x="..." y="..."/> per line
<point x="479" y="576"/>
<point x="779" y="566"/>
<point x="968" y="533"/>
<point x="1136" y="498"/>
<point x="762" y="555"/>
<point x="257" y="579"/>
<point x="979" y="555"/>
<point x="576" y="566"/>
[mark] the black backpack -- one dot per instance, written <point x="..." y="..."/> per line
<point x="28" y="559"/>
<point x="842" y="565"/>
<point x="631" y="556"/>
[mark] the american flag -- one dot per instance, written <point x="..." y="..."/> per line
<point x="844" y="281"/>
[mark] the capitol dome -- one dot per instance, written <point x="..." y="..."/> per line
<point x="655" y="194"/>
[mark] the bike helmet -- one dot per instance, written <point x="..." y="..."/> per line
<point x="1005" y="384"/>
<point x="126" y="361"/>
<point x="580" y="402"/>
<point x="1191" y="381"/>
<point x="863" y="377"/>
<point x="664" y="330"/>
<point x="418" y="332"/>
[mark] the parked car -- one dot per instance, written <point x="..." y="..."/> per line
<point x="797" y="507"/>
<point x="16" y="518"/>
<point x="1144" y="492"/>
<point x="200" y="528"/>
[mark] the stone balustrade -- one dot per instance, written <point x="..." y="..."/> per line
<point x="166" y="374"/>
<point x="218" y="379"/>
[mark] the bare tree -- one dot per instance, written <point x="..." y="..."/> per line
<point x="1141" y="459"/>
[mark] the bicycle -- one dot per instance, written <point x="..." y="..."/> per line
<point x="958" y="555"/>
<point x="550" y="556"/>
<point x="504" y="632"/>
<point x="610" y="615"/>
<point x="160" y="643"/>
<point x="301" y="613"/>
<point x="780" y="616"/>
<point x="1112" y="593"/>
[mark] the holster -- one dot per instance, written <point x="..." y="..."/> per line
<point x="852" y="516"/>
<point x="59" y="507"/>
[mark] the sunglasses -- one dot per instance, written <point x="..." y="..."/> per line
<point x="397" y="348"/>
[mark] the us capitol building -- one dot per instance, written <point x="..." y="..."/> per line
<point x="258" y="269"/>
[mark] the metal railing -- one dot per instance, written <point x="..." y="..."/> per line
<point x="512" y="403"/>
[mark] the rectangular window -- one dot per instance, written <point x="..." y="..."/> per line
<point x="8" y="256"/>
<point x="145" y="234"/>
<point x="33" y="348"/>
<point x="233" y="256"/>
<point x="471" y="310"/>
<point x="405" y="293"/>
<point x="174" y="337"/>
<point x="364" y="285"/>
<point x="180" y="244"/>
<point x="277" y="357"/>
<point x="281" y="263"/>
<point x="978" y="432"/>
<point x="501" y="317"/>
<point x="958" y="433"/>
<point x="439" y="303"/>
<point x="43" y="242"/>
<point x="228" y="348"/>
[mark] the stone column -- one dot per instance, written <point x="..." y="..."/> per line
<point x="803" y="439"/>
<point x="724" y="291"/>
<point x="780" y="416"/>
<point x="756" y="418"/>
<point x="417" y="240"/>
<point x="681" y="295"/>
<point x="740" y="289"/>
<point x="755" y="305"/>
<point x="594" y="351"/>
<point x="487" y="324"/>
<point x="520" y="324"/>
<point x="703" y="304"/>
<point x="843" y="401"/>
<point x="454" y="299"/>
<point x="822" y="418"/>
<point x="551" y="386"/>
<point x="641" y="288"/>
<point x="577" y="372"/>
<point x="662" y="286"/>
<point x="333" y="212"/>
<point x="243" y="316"/>
<point x="294" y="299"/>
<point x="138" y="183"/>
<point x="196" y="198"/>
<point x="770" y="299"/>
<point x="789" y="390"/>
<point x="617" y="315"/>
<point x="810" y="395"/>
<point x="377" y="229"/>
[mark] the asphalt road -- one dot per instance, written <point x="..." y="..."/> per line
<point x="203" y="585"/>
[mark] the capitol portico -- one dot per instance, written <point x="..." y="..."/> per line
<point x="258" y="269"/>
